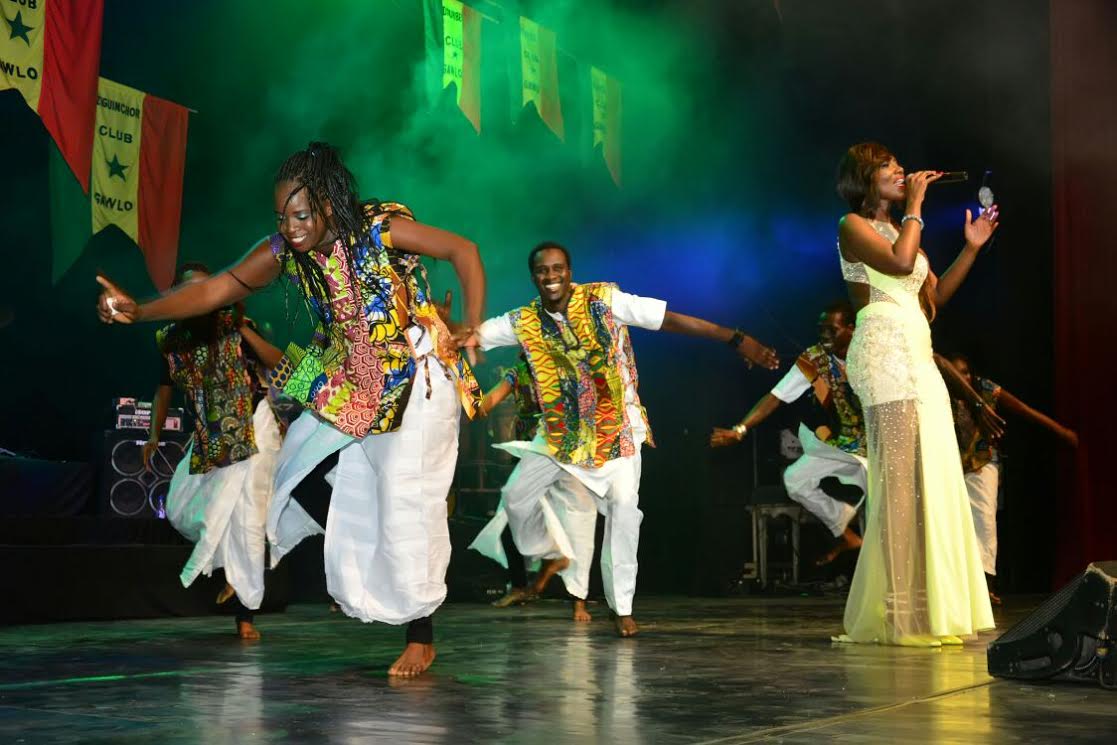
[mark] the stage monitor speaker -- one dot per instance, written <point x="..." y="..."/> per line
<point x="127" y="488"/>
<point x="1069" y="637"/>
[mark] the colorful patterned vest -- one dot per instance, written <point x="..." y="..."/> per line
<point x="841" y="402"/>
<point x="977" y="450"/>
<point x="578" y="383"/>
<point x="364" y="365"/>
<point x="211" y="369"/>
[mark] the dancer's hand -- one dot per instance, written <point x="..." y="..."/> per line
<point x="443" y="308"/>
<point x="991" y="422"/>
<point x="462" y="336"/>
<point x="150" y="448"/>
<point x="720" y="437"/>
<point x="114" y="305"/>
<point x="465" y="338"/>
<point x="979" y="231"/>
<point x="755" y="353"/>
<point x="915" y="187"/>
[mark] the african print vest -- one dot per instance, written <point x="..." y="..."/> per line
<point x="976" y="449"/>
<point x="578" y="382"/>
<point x="842" y="402"/>
<point x="210" y="367"/>
<point x="364" y="360"/>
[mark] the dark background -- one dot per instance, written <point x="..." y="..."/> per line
<point x="735" y="117"/>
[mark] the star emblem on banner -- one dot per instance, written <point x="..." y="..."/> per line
<point x="19" y="29"/>
<point x="116" y="168"/>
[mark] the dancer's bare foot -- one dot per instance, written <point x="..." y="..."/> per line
<point x="415" y="660"/>
<point x="550" y="568"/>
<point x="514" y="596"/>
<point x="580" y="613"/>
<point x="226" y="592"/>
<point x="847" y="541"/>
<point x="246" y="631"/>
<point x="626" y="626"/>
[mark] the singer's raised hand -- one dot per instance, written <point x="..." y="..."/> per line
<point x="915" y="187"/>
<point x="979" y="231"/>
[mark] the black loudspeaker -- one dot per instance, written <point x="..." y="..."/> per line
<point x="127" y="488"/>
<point x="1069" y="637"/>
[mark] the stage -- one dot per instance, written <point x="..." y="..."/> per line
<point x="732" y="670"/>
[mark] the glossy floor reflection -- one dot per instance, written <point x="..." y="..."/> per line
<point x="726" y="671"/>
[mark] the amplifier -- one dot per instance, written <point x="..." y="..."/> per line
<point x="132" y="413"/>
<point x="143" y="421"/>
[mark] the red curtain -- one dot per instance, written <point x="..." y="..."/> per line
<point x="1084" y="170"/>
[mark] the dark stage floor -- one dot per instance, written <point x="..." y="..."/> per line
<point x="726" y="671"/>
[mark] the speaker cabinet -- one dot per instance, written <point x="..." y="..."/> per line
<point x="1069" y="637"/>
<point x="127" y="488"/>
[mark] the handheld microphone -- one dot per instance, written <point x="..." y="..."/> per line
<point x="952" y="177"/>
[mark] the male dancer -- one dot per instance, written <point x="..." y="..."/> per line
<point x="982" y="463"/>
<point x="838" y="451"/>
<point x="575" y="340"/>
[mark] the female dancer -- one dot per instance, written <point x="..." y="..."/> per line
<point x="386" y="400"/>
<point x="219" y="494"/>
<point x="919" y="580"/>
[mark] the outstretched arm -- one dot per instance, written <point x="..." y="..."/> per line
<point x="252" y="273"/>
<point x="761" y="411"/>
<point x="1014" y="405"/>
<point x="749" y="348"/>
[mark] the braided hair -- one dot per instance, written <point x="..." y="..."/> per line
<point x="318" y="169"/>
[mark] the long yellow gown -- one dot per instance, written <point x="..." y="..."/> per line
<point x="919" y="579"/>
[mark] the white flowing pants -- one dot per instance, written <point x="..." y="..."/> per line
<point x="819" y="461"/>
<point x="552" y="514"/>
<point x="387" y="542"/>
<point x="982" y="486"/>
<point x="223" y="512"/>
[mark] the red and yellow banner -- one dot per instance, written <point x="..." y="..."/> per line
<point x="607" y="119"/>
<point x="50" y="51"/>
<point x="539" y="67"/>
<point x="139" y="155"/>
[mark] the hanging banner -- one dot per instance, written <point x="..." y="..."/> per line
<point x="50" y="51"/>
<point x="116" y="157"/>
<point x="539" y="70"/>
<point x="607" y="119"/>
<point x="139" y="157"/>
<point x="453" y="41"/>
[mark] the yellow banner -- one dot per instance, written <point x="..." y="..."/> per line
<point x="21" y="47"/>
<point x="530" y="59"/>
<point x="599" y="84"/>
<point x="453" y="44"/>
<point x="116" y="157"/>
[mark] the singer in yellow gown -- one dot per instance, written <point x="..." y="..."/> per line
<point x="919" y="578"/>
